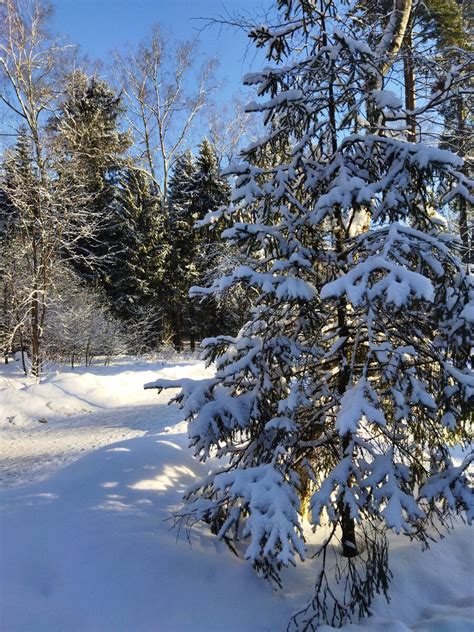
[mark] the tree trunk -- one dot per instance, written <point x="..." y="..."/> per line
<point x="35" y="335"/>
<point x="178" y="330"/>
<point x="192" y="328"/>
<point x="392" y="39"/>
<point x="6" y="321"/>
<point x="464" y="233"/>
<point x="466" y="238"/>
<point x="349" y="547"/>
<point x="409" y="78"/>
<point x="385" y="53"/>
<point x="23" y="363"/>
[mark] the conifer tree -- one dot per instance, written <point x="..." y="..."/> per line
<point x="17" y="175"/>
<point x="436" y="38"/>
<point x="444" y="21"/>
<point x="345" y="390"/>
<point x="17" y="166"/>
<point x="450" y="29"/>
<point x="211" y="192"/>
<point x="53" y="210"/>
<point x="87" y="133"/>
<point x="196" y="189"/>
<point x="180" y="265"/>
<point x="139" y="262"/>
<point x="212" y="189"/>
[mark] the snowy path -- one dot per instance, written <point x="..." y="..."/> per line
<point x="46" y="426"/>
<point x="33" y="453"/>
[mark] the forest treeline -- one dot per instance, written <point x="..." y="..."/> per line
<point x="103" y="177"/>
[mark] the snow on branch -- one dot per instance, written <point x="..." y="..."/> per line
<point x="284" y="287"/>
<point x="267" y="504"/>
<point x="358" y="402"/>
<point x="386" y="479"/>
<point x="397" y="287"/>
<point x="453" y="486"/>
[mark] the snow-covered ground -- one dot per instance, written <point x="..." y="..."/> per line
<point x="84" y="541"/>
<point x="71" y="412"/>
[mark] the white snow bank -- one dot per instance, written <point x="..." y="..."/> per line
<point x="81" y="410"/>
<point x="65" y="392"/>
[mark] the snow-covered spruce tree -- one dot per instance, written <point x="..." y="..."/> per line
<point x="139" y="260"/>
<point x="211" y="191"/>
<point x="180" y="263"/>
<point x="212" y="188"/>
<point x="86" y="132"/>
<point x="342" y="395"/>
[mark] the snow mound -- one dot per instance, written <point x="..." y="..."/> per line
<point x="65" y="392"/>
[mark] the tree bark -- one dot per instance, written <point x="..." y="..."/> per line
<point x="178" y="330"/>
<point x="409" y="78"/>
<point x="392" y="39"/>
<point x="464" y="233"/>
<point x="349" y="546"/>
<point x="385" y="54"/>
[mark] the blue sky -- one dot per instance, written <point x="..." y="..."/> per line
<point x="100" y="26"/>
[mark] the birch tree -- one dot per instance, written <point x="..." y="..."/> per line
<point x="51" y="209"/>
<point x="165" y="91"/>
